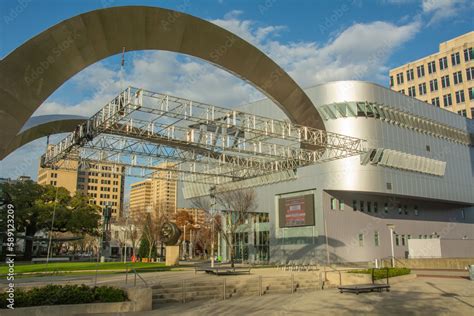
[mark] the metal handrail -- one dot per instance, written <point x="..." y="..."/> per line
<point x="395" y="258"/>
<point x="135" y="276"/>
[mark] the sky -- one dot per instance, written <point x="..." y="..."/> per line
<point x="314" y="41"/>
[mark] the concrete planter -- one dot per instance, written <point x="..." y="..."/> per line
<point x="140" y="299"/>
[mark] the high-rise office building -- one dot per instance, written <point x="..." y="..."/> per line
<point x="444" y="79"/>
<point x="156" y="195"/>
<point x="102" y="183"/>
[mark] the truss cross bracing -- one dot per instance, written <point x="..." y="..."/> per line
<point x="140" y="129"/>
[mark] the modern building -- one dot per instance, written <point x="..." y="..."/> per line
<point x="444" y="79"/>
<point x="418" y="175"/>
<point x="102" y="183"/>
<point x="154" y="195"/>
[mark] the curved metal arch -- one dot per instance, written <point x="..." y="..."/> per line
<point x="33" y="71"/>
<point x="44" y="125"/>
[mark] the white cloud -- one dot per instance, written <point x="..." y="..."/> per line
<point x="439" y="10"/>
<point x="358" y="52"/>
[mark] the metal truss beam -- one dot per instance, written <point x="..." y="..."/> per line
<point x="141" y="129"/>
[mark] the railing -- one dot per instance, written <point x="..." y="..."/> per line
<point x="227" y="287"/>
<point x="136" y="274"/>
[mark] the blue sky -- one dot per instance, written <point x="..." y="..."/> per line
<point x="315" y="41"/>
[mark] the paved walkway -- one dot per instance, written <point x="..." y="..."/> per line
<point x="423" y="296"/>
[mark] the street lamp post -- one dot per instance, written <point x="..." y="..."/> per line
<point x="212" y="195"/>
<point x="391" y="227"/>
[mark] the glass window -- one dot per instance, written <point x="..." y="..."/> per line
<point x="435" y="101"/>
<point x="468" y="54"/>
<point x="361" y="240"/>
<point x="354" y="205"/>
<point x="399" y="209"/>
<point x="405" y="210"/>
<point x="431" y="67"/>
<point x="471" y="94"/>
<point x="422" y="88"/>
<point x="333" y="203"/>
<point x="397" y="240"/>
<point x="376" y="207"/>
<point x="403" y="240"/>
<point x="391" y="81"/>
<point x="445" y="81"/>
<point x="410" y="75"/>
<point x="400" y="78"/>
<point x="420" y="70"/>
<point x="376" y="239"/>
<point x="341" y="205"/>
<point x="416" y="210"/>
<point x="457" y="77"/>
<point x="434" y="85"/>
<point x="411" y="91"/>
<point x="470" y="73"/>
<point x="447" y="100"/>
<point x="455" y="59"/>
<point x="460" y="96"/>
<point x="443" y="63"/>
<point x="385" y="208"/>
<point x="361" y="204"/>
<point x="369" y="207"/>
<point x="462" y="113"/>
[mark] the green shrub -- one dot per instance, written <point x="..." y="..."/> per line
<point x="382" y="273"/>
<point x="65" y="294"/>
<point x="110" y="294"/>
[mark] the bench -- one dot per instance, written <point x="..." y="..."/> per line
<point x="223" y="270"/>
<point x="364" y="288"/>
<point x="55" y="259"/>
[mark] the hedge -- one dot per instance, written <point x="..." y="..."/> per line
<point x="382" y="273"/>
<point x="64" y="294"/>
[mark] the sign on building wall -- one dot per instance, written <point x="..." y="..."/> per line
<point x="296" y="211"/>
<point x="424" y="248"/>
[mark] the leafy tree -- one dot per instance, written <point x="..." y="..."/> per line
<point x="84" y="218"/>
<point x="35" y="205"/>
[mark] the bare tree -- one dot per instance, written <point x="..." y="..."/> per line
<point x="235" y="208"/>
<point x="133" y="233"/>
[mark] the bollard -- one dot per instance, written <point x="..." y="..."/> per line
<point x="224" y="289"/>
<point x="292" y="283"/>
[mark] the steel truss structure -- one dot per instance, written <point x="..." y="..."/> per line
<point x="140" y="129"/>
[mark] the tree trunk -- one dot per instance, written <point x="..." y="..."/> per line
<point x="29" y="234"/>
<point x="232" y="250"/>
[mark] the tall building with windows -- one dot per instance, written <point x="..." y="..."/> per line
<point x="444" y="79"/>
<point x="102" y="183"/>
<point x="155" y="195"/>
<point x="62" y="177"/>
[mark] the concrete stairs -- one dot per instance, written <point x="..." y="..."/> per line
<point x="219" y="288"/>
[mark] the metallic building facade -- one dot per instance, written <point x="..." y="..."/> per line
<point x="354" y="200"/>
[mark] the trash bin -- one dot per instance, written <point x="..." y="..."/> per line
<point x="471" y="272"/>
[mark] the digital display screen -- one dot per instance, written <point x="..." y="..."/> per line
<point x="297" y="211"/>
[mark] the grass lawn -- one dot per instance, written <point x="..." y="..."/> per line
<point x="80" y="266"/>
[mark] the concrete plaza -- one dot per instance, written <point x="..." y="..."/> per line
<point x="421" y="296"/>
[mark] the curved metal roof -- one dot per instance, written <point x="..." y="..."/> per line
<point x="44" y="125"/>
<point x="33" y="71"/>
